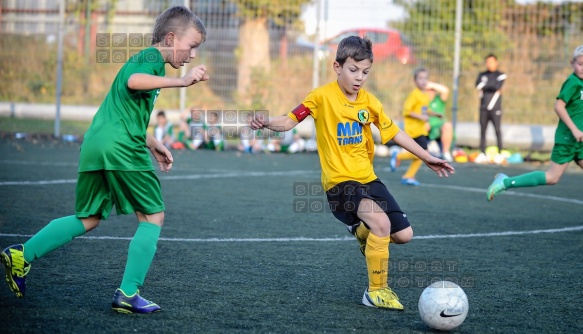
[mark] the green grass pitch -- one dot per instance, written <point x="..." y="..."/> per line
<point x="239" y="253"/>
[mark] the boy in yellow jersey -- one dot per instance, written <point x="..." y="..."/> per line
<point x="416" y="112"/>
<point x="343" y="113"/>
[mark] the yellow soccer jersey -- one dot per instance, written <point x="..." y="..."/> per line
<point x="345" y="142"/>
<point x="414" y="104"/>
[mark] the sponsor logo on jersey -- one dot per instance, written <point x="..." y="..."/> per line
<point x="349" y="133"/>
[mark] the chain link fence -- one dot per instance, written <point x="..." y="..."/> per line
<point x="261" y="54"/>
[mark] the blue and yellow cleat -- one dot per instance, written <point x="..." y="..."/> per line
<point x="409" y="182"/>
<point x="497" y="186"/>
<point x="132" y="304"/>
<point x="383" y="298"/>
<point x="16" y="268"/>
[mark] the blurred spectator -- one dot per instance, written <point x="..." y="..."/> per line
<point x="248" y="141"/>
<point x="191" y="129"/>
<point x="164" y="130"/>
<point x="489" y="85"/>
<point x="286" y="142"/>
<point x="213" y="134"/>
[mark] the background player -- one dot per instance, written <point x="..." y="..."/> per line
<point x="568" y="136"/>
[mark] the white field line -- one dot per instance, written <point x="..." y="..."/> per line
<point x="509" y="192"/>
<point x="291" y="173"/>
<point x="173" y="177"/>
<point x="302" y="239"/>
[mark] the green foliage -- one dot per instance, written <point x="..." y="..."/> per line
<point x="430" y="20"/>
<point x="281" y="12"/>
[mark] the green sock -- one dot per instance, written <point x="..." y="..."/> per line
<point x="531" y="179"/>
<point x="56" y="234"/>
<point x="140" y="255"/>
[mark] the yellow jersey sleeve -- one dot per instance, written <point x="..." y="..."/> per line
<point x="308" y="107"/>
<point x="387" y="128"/>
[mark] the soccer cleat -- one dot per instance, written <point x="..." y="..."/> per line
<point x="393" y="163"/>
<point x="497" y="186"/>
<point x="132" y="304"/>
<point x="361" y="242"/>
<point x="16" y="268"/>
<point x="383" y="298"/>
<point x="409" y="182"/>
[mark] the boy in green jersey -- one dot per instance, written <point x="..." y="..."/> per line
<point x="114" y="165"/>
<point x="568" y="136"/>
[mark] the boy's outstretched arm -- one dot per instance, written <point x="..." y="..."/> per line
<point x="561" y="110"/>
<point x="442" y="90"/>
<point x="160" y="153"/>
<point x="439" y="166"/>
<point x="279" y="124"/>
<point x="143" y="81"/>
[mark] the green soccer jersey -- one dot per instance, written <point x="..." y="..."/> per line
<point x="572" y="93"/>
<point x="116" y="139"/>
<point x="437" y="105"/>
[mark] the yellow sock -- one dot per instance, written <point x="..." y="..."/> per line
<point x="406" y="155"/>
<point x="377" y="261"/>
<point x="362" y="232"/>
<point x="413" y="168"/>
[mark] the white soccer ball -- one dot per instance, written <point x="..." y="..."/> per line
<point x="382" y="151"/>
<point x="443" y="305"/>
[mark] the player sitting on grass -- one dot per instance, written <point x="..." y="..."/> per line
<point x="163" y="131"/>
<point x="114" y="165"/>
<point x="343" y="113"/>
<point x="568" y="136"/>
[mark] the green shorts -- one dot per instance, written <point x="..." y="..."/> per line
<point x="565" y="153"/>
<point x="130" y="191"/>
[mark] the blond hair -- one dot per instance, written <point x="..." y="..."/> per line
<point x="176" y="19"/>
<point x="578" y="52"/>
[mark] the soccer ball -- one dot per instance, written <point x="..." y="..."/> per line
<point x="382" y="151"/>
<point x="443" y="305"/>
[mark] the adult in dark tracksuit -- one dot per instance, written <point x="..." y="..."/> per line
<point x="489" y="84"/>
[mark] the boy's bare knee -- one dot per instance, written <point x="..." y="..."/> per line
<point x="154" y="218"/>
<point x="403" y="236"/>
<point x="90" y="222"/>
<point x="552" y="178"/>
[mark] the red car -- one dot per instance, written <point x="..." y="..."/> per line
<point x="386" y="43"/>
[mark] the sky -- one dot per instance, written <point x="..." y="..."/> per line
<point x="347" y="14"/>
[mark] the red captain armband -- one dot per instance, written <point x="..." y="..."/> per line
<point x="301" y="112"/>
